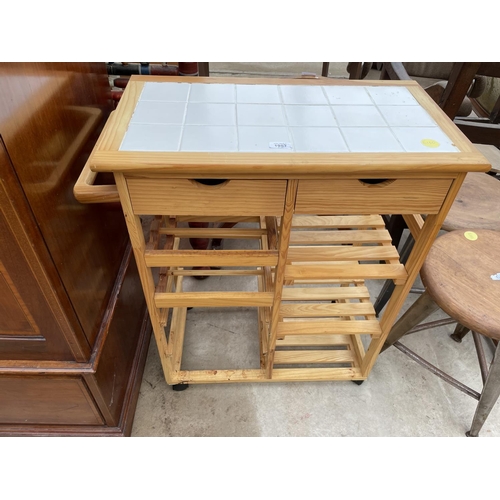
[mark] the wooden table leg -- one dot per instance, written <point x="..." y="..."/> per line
<point x="199" y="244"/>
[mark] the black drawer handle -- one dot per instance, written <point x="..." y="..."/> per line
<point x="210" y="182"/>
<point x="383" y="182"/>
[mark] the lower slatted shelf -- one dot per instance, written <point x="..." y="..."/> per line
<point x="324" y="310"/>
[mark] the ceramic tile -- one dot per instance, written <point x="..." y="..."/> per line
<point x="347" y="95"/>
<point x="258" y="139"/>
<point x="302" y="94"/>
<point x="209" y="138"/>
<point x="391" y="96"/>
<point x="318" y="139"/>
<point x="212" y="92"/>
<point x="406" y="116"/>
<point x="151" y="137"/>
<point x="371" y="140"/>
<point x="210" y="114"/>
<point x="166" y="91"/>
<point x="260" y="114"/>
<point x="258" y="94"/>
<point x="424" y="139"/>
<point x="310" y="116"/>
<point x="159" y="112"/>
<point x="358" y="116"/>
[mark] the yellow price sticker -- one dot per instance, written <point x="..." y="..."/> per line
<point x="430" y="143"/>
<point x="471" y="235"/>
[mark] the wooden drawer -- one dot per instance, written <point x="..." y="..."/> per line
<point x="46" y="400"/>
<point x="189" y="197"/>
<point x="353" y="196"/>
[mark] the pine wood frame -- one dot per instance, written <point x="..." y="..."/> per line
<point x="287" y="259"/>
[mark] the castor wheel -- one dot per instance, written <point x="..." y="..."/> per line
<point x="180" y="387"/>
<point x="358" y="382"/>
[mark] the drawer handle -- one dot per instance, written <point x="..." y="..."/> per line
<point x="210" y="182"/>
<point x="379" y="182"/>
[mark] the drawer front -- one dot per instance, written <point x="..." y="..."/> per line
<point x="46" y="400"/>
<point x="353" y="196"/>
<point x="189" y="197"/>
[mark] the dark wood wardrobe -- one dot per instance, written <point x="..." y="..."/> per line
<point x="73" y="326"/>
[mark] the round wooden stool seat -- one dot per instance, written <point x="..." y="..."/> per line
<point x="477" y="204"/>
<point x="457" y="275"/>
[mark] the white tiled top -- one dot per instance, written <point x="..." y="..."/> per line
<point x="303" y="118"/>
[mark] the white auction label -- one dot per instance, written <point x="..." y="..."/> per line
<point x="280" y="145"/>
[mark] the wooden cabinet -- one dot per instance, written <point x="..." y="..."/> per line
<point x="73" y="330"/>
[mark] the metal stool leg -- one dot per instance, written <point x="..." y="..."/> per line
<point x="459" y="333"/>
<point x="388" y="288"/>
<point x="396" y="227"/>
<point x="424" y="306"/>
<point x="489" y="396"/>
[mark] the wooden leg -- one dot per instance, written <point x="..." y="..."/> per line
<point x="354" y="70"/>
<point x="199" y="244"/>
<point x="489" y="396"/>
<point x="459" y="333"/>
<point x="325" y="68"/>
<point x="217" y="243"/>
<point x="424" y="306"/>
<point x="203" y="69"/>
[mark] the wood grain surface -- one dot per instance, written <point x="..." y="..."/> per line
<point x="457" y="275"/>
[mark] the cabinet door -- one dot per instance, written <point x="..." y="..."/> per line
<point x="32" y="323"/>
<point x="50" y="118"/>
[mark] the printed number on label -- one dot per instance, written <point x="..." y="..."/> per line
<point x="280" y="145"/>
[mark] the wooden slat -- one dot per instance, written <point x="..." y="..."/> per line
<point x="215" y="272"/>
<point x="313" y="374"/>
<point x="327" y="281"/>
<point x="356" y="343"/>
<point x="326" y="293"/>
<point x="272" y="232"/>
<point x="368" y="327"/>
<point x="279" y="375"/>
<point x="214" y="232"/>
<point x="213" y="258"/>
<point x="214" y="299"/>
<point x="263" y="314"/>
<point x="215" y="218"/>
<point x="314" y="340"/>
<point x="338" y="221"/>
<point x="306" y="357"/>
<point x="265" y="283"/>
<point x="154" y="233"/>
<point x="177" y="329"/>
<point x="336" y="253"/>
<point x="314" y="310"/>
<point x="353" y="271"/>
<point x="166" y="281"/>
<point x="339" y="237"/>
<point x="287" y="319"/>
